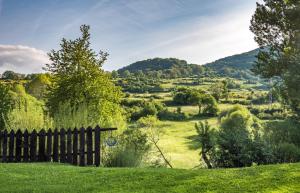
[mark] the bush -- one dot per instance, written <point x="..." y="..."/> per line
<point x="172" y="116"/>
<point x="130" y="151"/>
<point x="287" y="153"/>
<point x="234" y="140"/>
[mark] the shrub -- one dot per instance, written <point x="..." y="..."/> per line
<point x="172" y="116"/>
<point x="130" y="151"/>
<point x="287" y="153"/>
<point x="234" y="140"/>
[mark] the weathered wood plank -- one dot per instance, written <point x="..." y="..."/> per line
<point x="41" y="150"/>
<point x="49" y="145"/>
<point x="4" y="146"/>
<point x="69" y="146"/>
<point x="97" y="146"/>
<point x="89" y="138"/>
<point x="26" y="146"/>
<point x="55" y="146"/>
<point x="62" y="154"/>
<point x="75" y="146"/>
<point x="11" y="146"/>
<point x="33" y="145"/>
<point x="82" y="148"/>
<point x="18" y="146"/>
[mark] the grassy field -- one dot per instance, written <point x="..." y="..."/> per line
<point x="24" y="178"/>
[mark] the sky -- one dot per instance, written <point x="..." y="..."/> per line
<point x="198" y="31"/>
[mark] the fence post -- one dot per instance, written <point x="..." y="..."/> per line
<point x="81" y="148"/>
<point x="55" y="146"/>
<point x="33" y="142"/>
<point x="69" y="146"/>
<point x="62" y="154"/>
<point x="11" y="146"/>
<point x="4" y="146"/>
<point x="97" y="146"/>
<point x="18" y="146"/>
<point x="89" y="138"/>
<point x="49" y="144"/>
<point x="26" y="146"/>
<point x="75" y="146"/>
<point x="42" y="153"/>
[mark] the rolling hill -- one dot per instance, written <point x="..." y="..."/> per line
<point x="237" y="66"/>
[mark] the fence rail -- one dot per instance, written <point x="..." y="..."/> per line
<point x="78" y="147"/>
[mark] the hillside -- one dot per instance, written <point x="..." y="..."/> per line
<point x="242" y="61"/>
<point x="168" y="67"/>
<point x="64" y="178"/>
<point x="236" y="66"/>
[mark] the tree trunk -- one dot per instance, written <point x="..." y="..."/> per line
<point x="163" y="156"/>
<point x="206" y="160"/>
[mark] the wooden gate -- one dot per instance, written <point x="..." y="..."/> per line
<point x="78" y="147"/>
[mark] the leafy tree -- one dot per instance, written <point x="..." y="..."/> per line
<point x="10" y="75"/>
<point x="234" y="141"/>
<point x="5" y="104"/>
<point x="276" y="25"/>
<point x="206" y="136"/>
<point x="37" y="87"/>
<point x="115" y="74"/>
<point x="26" y="112"/>
<point x="206" y="103"/>
<point x="220" y="90"/>
<point x="126" y="74"/>
<point x="78" y="78"/>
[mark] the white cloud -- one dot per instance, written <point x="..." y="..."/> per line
<point x="22" y="59"/>
<point x="200" y="40"/>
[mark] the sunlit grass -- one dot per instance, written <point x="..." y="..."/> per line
<point x="49" y="178"/>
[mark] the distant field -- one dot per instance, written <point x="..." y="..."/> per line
<point x="50" y="178"/>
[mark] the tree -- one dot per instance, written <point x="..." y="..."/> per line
<point x="37" y="87"/>
<point x="150" y="124"/>
<point x="78" y="78"/>
<point x="5" y="104"/>
<point x="206" y="136"/>
<point x="220" y="90"/>
<point x="234" y="139"/>
<point x="10" y="75"/>
<point x="127" y="74"/>
<point x="276" y="25"/>
<point x="115" y="74"/>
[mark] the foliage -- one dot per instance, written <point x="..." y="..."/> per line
<point x="131" y="149"/>
<point x="234" y="138"/>
<point x="206" y="103"/>
<point x="163" y="68"/>
<point x="206" y="136"/>
<point x="10" y="75"/>
<point x="5" y="104"/>
<point x="37" y="87"/>
<point x="26" y="112"/>
<point x="236" y="66"/>
<point x="77" y="79"/>
<point x="219" y="90"/>
<point x="150" y="124"/>
<point x="276" y="26"/>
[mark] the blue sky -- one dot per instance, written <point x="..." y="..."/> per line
<point x="198" y="31"/>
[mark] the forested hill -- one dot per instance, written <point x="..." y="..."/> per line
<point x="242" y="61"/>
<point x="237" y="66"/>
<point x="170" y="67"/>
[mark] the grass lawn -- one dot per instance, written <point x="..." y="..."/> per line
<point x="53" y="178"/>
<point x="178" y="141"/>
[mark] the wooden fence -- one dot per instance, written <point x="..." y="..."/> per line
<point x="78" y="147"/>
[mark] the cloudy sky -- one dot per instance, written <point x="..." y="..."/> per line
<point x="198" y="31"/>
